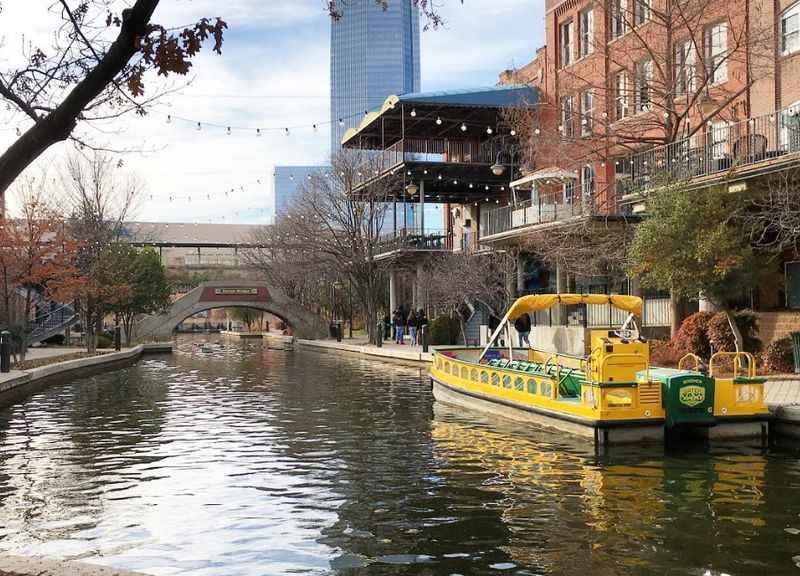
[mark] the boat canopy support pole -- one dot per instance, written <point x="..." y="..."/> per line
<point x="495" y="334"/>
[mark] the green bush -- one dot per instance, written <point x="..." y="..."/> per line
<point x="443" y="331"/>
<point x="778" y="356"/>
<point x="720" y="335"/>
<point x="692" y="336"/>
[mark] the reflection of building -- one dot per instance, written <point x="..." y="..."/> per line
<point x="374" y="53"/>
<point x="287" y="181"/>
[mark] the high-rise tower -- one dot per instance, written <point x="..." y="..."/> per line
<point x="374" y="53"/>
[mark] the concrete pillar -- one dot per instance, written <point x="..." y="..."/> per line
<point x="420" y="284"/>
<point x="706" y="305"/>
<point x="422" y="206"/>
<point x="393" y="289"/>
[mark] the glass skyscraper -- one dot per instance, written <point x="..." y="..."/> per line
<point x="374" y="54"/>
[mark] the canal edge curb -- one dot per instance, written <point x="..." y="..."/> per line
<point x="38" y="566"/>
<point x="391" y="355"/>
<point x="21" y="382"/>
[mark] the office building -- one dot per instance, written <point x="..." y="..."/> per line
<point x="286" y="184"/>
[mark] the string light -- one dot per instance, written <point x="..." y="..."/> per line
<point x="513" y="132"/>
<point x="463" y="127"/>
<point x="199" y="127"/>
<point x="169" y="119"/>
<point x="413" y="113"/>
<point x="258" y="132"/>
<point x="438" y="121"/>
<point x="229" y="130"/>
<point x="488" y="129"/>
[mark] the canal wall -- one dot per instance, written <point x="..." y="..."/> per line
<point x="20" y="383"/>
<point x="18" y="566"/>
<point x="388" y="352"/>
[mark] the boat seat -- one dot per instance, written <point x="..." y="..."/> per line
<point x="494" y="361"/>
<point x="502" y="363"/>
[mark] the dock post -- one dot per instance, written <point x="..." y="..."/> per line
<point x="117" y="338"/>
<point x="424" y="336"/>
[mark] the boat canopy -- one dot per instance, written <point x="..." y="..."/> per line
<point x="532" y="303"/>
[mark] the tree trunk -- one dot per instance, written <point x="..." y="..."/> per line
<point x="737" y="334"/>
<point x="676" y="310"/>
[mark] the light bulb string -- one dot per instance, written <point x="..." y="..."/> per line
<point x="254" y="129"/>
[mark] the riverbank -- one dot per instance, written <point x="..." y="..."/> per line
<point x="18" y="383"/>
<point x="18" y="566"/>
<point x="391" y="352"/>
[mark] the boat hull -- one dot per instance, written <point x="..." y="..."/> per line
<point x="599" y="433"/>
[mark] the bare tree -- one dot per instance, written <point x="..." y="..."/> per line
<point x="99" y="196"/>
<point x="94" y="69"/>
<point x="332" y="231"/>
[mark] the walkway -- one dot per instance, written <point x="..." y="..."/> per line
<point x="389" y="350"/>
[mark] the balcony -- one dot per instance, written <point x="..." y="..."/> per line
<point x="526" y="214"/>
<point x="414" y="240"/>
<point x="429" y="152"/>
<point x="747" y="148"/>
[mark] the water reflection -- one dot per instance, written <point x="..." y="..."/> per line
<point x="230" y="459"/>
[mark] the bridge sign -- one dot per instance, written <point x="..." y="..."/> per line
<point x="234" y="294"/>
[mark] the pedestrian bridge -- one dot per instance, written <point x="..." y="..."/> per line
<point x="233" y="294"/>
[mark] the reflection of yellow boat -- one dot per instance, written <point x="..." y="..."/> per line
<point x="612" y="394"/>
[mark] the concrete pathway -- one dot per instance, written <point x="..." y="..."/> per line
<point x="783" y="391"/>
<point x="18" y="566"/>
<point x="40" y="353"/>
<point x="389" y="350"/>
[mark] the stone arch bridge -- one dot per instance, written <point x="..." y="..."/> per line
<point x="229" y="294"/>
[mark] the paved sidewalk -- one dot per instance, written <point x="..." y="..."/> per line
<point x="390" y="350"/>
<point x="37" y="353"/>
<point x="783" y="391"/>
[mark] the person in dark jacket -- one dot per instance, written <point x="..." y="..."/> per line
<point x="523" y="327"/>
<point x="412" y="327"/>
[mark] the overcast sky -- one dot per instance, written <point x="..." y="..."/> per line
<point x="274" y="72"/>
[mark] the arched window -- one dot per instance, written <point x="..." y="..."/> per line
<point x="587" y="182"/>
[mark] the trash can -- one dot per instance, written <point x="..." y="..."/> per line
<point x="796" y="351"/>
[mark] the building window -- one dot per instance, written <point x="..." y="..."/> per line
<point x="567" y="120"/>
<point x="621" y="95"/>
<point x="684" y="67"/>
<point x="587" y="183"/>
<point x="587" y="112"/>
<point x="716" y="41"/>
<point x="566" y="43"/>
<point x="619" y="18"/>
<point x="790" y="30"/>
<point x="587" y="32"/>
<point x="643" y="82"/>
<point x="718" y="135"/>
<point x="641" y="11"/>
<point x="569" y="191"/>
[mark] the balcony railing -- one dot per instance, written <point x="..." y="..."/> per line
<point x="415" y="240"/>
<point x="528" y="213"/>
<point x="713" y="151"/>
<point x="430" y="151"/>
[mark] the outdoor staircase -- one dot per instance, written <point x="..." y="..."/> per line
<point x="55" y="321"/>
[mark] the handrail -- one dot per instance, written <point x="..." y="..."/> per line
<point x="737" y="363"/>
<point x="690" y="356"/>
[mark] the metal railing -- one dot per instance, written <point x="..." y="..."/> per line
<point x="416" y="240"/>
<point x="428" y="150"/>
<point x="715" y="150"/>
<point x="211" y="260"/>
<point x="529" y="213"/>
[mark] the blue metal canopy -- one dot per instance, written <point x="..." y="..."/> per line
<point x="490" y="96"/>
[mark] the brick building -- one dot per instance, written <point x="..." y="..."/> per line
<point x="633" y="90"/>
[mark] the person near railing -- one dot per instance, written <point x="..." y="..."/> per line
<point x="523" y="327"/>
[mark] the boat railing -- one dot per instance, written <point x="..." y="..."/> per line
<point x="696" y="360"/>
<point x="749" y="366"/>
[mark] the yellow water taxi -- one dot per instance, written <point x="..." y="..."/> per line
<point x="611" y="394"/>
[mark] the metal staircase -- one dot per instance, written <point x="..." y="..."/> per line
<point x="56" y="320"/>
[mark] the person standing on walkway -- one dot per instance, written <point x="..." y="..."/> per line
<point x="399" y="325"/>
<point x="523" y="327"/>
<point x="412" y="327"/>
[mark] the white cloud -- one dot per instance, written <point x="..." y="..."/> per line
<point x="274" y="72"/>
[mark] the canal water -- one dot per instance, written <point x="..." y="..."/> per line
<point x="230" y="459"/>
